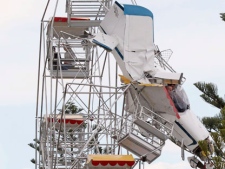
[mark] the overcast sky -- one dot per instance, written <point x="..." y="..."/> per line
<point x="192" y="29"/>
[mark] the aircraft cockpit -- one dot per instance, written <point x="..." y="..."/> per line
<point x="179" y="97"/>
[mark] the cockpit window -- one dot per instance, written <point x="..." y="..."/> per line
<point x="179" y="97"/>
<point x="182" y="94"/>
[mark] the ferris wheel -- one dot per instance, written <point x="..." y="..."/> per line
<point x="88" y="114"/>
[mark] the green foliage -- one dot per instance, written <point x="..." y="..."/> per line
<point x="98" y="149"/>
<point x="222" y="16"/>
<point x="33" y="161"/>
<point x="216" y="124"/>
<point x="222" y="134"/>
<point x="34" y="146"/>
<point x="218" y="143"/>
<point x="204" y="146"/>
<point x="107" y="150"/>
<point x="210" y="95"/>
<point x="212" y="123"/>
<point x="92" y="143"/>
<point x="31" y="145"/>
<point x="218" y="162"/>
<point x="222" y="113"/>
<point x="36" y="140"/>
<point x="71" y="108"/>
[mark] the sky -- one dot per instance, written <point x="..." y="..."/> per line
<point x="192" y="29"/>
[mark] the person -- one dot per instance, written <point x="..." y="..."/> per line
<point x="55" y="57"/>
<point x="68" y="63"/>
<point x="55" y="60"/>
<point x="169" y="88"/>
<point x="180" y="105"/>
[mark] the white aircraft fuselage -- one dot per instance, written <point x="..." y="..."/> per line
<point x="128" y="32"/>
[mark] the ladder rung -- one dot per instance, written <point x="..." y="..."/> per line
<point x="85" y="5"/>
<point x="92" y="23"/>
<point x="96" y="11"/>
<point x="87" y="15"/>
<point x="84" y="1"/>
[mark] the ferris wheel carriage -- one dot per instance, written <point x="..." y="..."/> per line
<point x="70" y="121"/>
<point x="67" y="52"/>
<point x="110" y="161"/>
<point x="144" y="132"/>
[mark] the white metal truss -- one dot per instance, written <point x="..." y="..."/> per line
<point x="95" y="10"/>
<point x="90" y="81"/>
<point x="142" y="131"/>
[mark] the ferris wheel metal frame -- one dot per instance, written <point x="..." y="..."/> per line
<point x="105" y="124"/>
